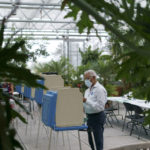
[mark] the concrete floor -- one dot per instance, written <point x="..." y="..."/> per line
<point x="113" y="137"/>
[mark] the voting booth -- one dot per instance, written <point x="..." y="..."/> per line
<point x="63" y="108"/>
<point x="18" y="89"/>
<point x="69" y="107"/>
<point x="51" y="82"/>
<point x="63" y="104"/>
<point x="27" y="92"/>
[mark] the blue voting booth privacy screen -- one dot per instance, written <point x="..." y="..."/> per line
<point x="49" y="109"/>
<point x="39" y="93"/>
<point x="18" y="89"/>
<point x="27" y="92"/>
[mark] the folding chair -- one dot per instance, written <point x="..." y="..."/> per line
<point x="138" y="121"/>
<point x="108" y="115"/>
<point x="109" y="111"/>
<point x="129" y="114"/>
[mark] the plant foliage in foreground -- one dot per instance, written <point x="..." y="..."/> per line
<point x="10" y="56"/>
<point x="129" y="22"/>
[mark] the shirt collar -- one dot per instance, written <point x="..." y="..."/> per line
<point x="95" y="85"/>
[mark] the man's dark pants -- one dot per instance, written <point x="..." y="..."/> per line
<point x="96" y="123"/>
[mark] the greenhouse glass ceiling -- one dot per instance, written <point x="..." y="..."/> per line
<point x="41" y="18"/>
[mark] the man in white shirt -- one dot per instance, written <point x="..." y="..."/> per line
<point x="94" y="102"/>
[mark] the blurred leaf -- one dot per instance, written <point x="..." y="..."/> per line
<point x="15" y="114"/>
<point x="73" y="13"/>
<point x="64" y="4"/>
<point x="84" y="21"/>
<point x="2" y="33"/>
<point x="12" y="57"/>
<point x="89" y="55"/>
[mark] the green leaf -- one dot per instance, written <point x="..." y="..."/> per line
<point x="64" y="4"/>
<point x="17" y="144"/>
<point x="20" y="104"/>
<point x="2" y="33"/>
<point x="73" y="13"/>
<point x="15" y="114"/>
<point x="11" y="55"/>
<point x="84" y="23"/>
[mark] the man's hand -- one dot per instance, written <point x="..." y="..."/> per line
<point x="84" y="100"/>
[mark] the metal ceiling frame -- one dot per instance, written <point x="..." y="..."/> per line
<point x="30" y="4"/>
<point x="39" y="21"/>
<point x="42" y="15"/>
<point x="39" y="6"/>
<point x="60" y="35"/>
<point x="33" y="21"/>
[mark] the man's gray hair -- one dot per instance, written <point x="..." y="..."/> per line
<point x="92" y="73"/>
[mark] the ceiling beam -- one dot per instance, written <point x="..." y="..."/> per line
<point x="30" y="4"/>
<point x="60" y="35"/>
<point x="38" y="21"/>
<point x="49" y="38"/>
<point x="61" y="31"/>
<point x="32" y="7"/>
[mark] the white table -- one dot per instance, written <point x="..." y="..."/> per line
<point x="137" y="102"/>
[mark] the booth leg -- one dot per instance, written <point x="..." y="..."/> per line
<point x="68" y="141"/>
<point x="38" y="133"/>
<point x="57" y="136"/>
<point x="57" y="139"/>
<point x="50" y="137"/>
<point x="63" y="138"/>
<point x="26" y="125"/>
<point x="79" y="140"/>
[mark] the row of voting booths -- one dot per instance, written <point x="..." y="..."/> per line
<point x="62" y="107"/>
<point x="65" y="102"/>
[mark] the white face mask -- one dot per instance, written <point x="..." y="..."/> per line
<point x="88" y="83"/>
